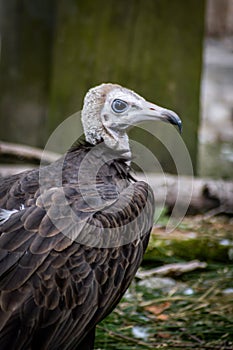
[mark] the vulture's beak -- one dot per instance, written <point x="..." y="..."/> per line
<point x="151" y="111"/>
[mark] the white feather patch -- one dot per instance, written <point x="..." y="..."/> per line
<point x="6" y="214"/>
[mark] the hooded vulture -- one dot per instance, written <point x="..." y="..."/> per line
<point x="73" y="233"/>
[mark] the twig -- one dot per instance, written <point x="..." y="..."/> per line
<point x="196" y="346"/>
<point x="194" y="337"/>
<point x="125" y="337"/>
<point x="214" y="212"/>
<point x="27" y="152"/>
<point x="172" y="269"/>
<point x="161" y="300"/>
<point x="208" y="292"/>
<point x="174" y="344"/>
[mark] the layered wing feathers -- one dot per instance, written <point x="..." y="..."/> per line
<point x="59" y="276"/>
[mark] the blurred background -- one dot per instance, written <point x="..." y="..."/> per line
<point x="175" y="53"/>
<point x="178" y="54"/>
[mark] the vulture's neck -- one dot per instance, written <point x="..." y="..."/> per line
<point x="119" y="143"/>
<point x="116" y="142"/>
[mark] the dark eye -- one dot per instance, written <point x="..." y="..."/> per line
<point x="119" y="106"/>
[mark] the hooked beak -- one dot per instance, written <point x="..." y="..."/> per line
<point x="151" y="111"/>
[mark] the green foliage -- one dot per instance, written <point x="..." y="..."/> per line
<point x="195" y="238"/>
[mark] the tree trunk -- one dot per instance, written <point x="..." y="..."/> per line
<point x="198" y="195"/>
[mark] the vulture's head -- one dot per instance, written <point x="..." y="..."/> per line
<point x="110" y="109"/>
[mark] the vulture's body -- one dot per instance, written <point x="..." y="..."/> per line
<point x="70" y="245"/>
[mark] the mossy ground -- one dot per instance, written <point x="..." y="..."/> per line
<point x="196" y="310"/>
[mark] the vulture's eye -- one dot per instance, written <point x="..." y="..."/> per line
<point x="119" y="106"/>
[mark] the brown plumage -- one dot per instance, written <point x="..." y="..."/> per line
<point x="70" y="246"/>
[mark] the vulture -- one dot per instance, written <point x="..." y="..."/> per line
<point x="73" y="233"/>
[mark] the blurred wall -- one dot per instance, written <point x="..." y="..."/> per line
<point x="219" y="19"/>
<point x="53" y="51"/>
<point x="26" y="31"/>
